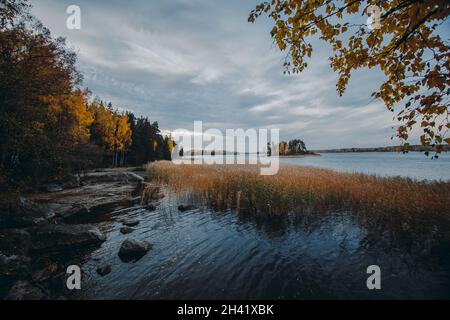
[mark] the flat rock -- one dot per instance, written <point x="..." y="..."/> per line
<point x="132" y="249"/>
<point x="27" y="213"/>
<point x="14" y="266"/>
<point x="60" y="237"/>
<point x="14" y="241"/>
<point x="52" y="188"/>
<point x="23" y="290"/>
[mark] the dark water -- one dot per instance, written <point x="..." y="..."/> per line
<point x="202" y="254"/>
<point x="411" y="165"/>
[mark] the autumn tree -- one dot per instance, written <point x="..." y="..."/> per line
<point x="404" y="44"/>
<point x="43" y="114"/>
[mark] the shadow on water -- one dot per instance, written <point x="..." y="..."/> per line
<point x="202" y="254"/>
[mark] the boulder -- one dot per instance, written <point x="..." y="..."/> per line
<point x="104" y="270"/>
<point x="23" y="290"/>
<point x="133" y="250"/>
<point x="186" y="207"/>
<point x="14" y="266"/>
<point x="60" y="237"/>
<point x="126" y="230"/>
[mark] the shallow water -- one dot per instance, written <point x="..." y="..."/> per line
<point x="202" y="254"/>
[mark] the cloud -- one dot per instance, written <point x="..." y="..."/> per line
<point x="184" y="60"/>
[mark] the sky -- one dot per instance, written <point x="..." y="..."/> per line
<point x="180" y="61"/>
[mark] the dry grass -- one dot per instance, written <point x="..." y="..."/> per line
<point x="401" y="212"/>
<point x="300" y="189"/>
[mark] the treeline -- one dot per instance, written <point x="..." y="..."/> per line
<point x="292" y="147"/>
<point x="49" y="125"/>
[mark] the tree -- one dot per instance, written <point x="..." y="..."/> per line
<point x="43" y="115"/>
<point x="406" y="48"/>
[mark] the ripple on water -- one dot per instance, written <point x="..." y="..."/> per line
<point x="201" y="254"/>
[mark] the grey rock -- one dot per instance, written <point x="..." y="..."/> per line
<point x="14" y="241"/>
<point x="104" y="270"/>
<point x="14" y="266"/>
<point x="186" y="207"/>
<point x="71" y="182"/>
<point x="52" y="188"/>
<point x="23" y="290"/>
<point x="133" y="250"/>
<point x="60" y="237"/>
<point x="27" y="213"/>
<point x="126" y="230"/>
<point x="131" y="222"/>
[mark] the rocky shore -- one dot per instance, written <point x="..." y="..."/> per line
<point x="47" y="231"/>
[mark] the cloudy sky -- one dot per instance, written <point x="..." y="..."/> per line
<point x="178" y="61"/>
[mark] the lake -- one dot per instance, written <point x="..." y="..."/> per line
<point x="203" y="254"/>
<point x="412" y="165"/>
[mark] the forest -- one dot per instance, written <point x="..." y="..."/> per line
<point x="50" y="125"/>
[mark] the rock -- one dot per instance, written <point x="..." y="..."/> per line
<point x="47" y="273"/>
<point x="150" y="207"/>
<point x="130" y="223"/>
<point x="104" y="270"/>
<point x="60" y="237"/>
<point x="71" y="182"/>
<point x="133" y="250"/>
<point x="126" y="230"/>
<point x="134" y="177"/>
<point x="14" y="266"/>
<point x="14" y="241"/>
<point x="27" y="213"/>
<point x="52" y="188"/>
<point x="186" y="207"/>
<point x="23" y="290"/>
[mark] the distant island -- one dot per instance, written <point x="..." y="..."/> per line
<point x="414" y="148"/>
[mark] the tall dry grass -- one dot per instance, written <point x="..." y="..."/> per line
<point x="299" y="189"/>
<point x="405" y="212"/>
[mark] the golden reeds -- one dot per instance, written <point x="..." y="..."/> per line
<point x="299" y="189"/>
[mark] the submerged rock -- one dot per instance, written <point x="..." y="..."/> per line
<point x="104" y="270"/>
<point x="186" y="207"/>
<point x="126" y="230"/>
<point x="23" y="290"/>
<point x="60" y="237"/>
<point x="133" y="250"/>
<point x="131" y="222"/>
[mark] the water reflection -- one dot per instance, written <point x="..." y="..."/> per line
<point x="201" y="254"/>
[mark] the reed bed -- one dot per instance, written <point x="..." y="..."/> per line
<point x="398" y="212"/>
<point x="300" y="189"/>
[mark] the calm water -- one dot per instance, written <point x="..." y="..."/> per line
<point x="385" y="164"/>
<point x="413" y="165"/>
<point x="201" y="254"/>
